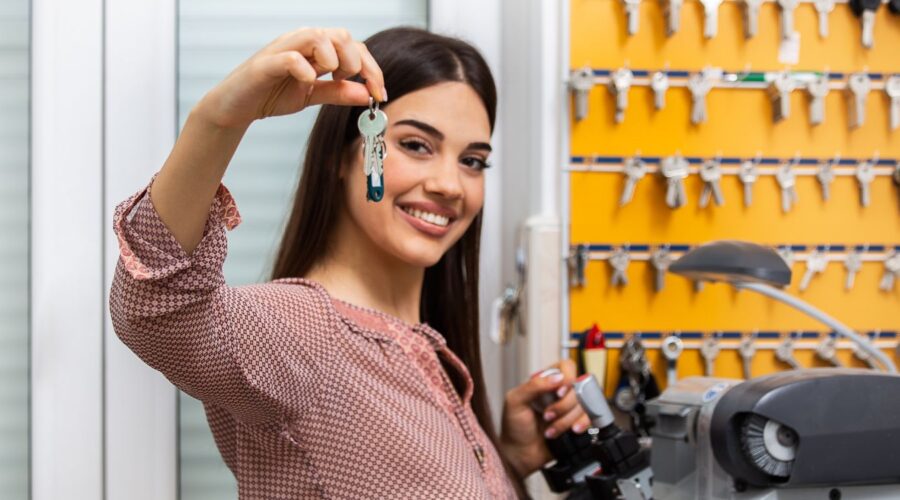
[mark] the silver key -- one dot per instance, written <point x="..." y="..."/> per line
<point x="709" y="349"/>
<point x="867" y="16"/>
<point x="747" y="349"/>
<point x="748" y="172"/>
<point x="825" y="176"/>
<point x="826" y="350"/>
<point x="634" y="169"/>
<point x="786" y="179"/>
<point x="751" y="17"/>
<point x="372" y="123"/>
<point x="859" y="85"/>
<point x="891" y="272"/>
<point x="787" y="17"/>
<point x="675" y="169"/>
<point x="823" y="9"/>
<point x="632" y="8"/>
<point x="864" y="356"/>
<point x="711" y="173"/>
<point x="865" y="174"/>
<point x="710" y="17"/>
<point x="780" y="93"/>
<point x="672" y="10"/>
<point x="818" y="90"/>
<point x="661" y="259"/>
<point x="785" y="353"/>
<point x="619" y="261"/>
<point x="816" y="263"/>
<point x="853" y="264"/>
<point x="672" y="347"/>
<point x="619" y="83"/>
<point x="659" y="82"/>
<point x="581" y="82"/>
<point x="892" y="89"/>
<point x="699" y="85"/>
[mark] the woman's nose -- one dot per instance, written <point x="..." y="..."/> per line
<point x="444" y="178"/>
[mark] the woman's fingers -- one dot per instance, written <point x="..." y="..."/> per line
<point x="561" y="407"/>
<point x="567" y="421"/>
<point x="334" y="51"/>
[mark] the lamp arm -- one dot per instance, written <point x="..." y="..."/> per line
<point x="821" y="316"/>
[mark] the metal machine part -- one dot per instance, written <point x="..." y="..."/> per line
<point x="804" y="434"/>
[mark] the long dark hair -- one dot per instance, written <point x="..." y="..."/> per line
<point x="411" y="59"/>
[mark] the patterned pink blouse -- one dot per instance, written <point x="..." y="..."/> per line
<point x="307" y="396"/>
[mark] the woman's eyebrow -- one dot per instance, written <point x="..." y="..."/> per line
<point x="428" y="129"/>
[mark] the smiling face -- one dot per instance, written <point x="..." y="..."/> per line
<point x="437" y="144"/>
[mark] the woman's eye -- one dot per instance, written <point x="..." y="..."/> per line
<point x="475" y="162"/>
<point x="415" y="146"/>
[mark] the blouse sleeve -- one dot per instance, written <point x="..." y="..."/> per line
<point x="177" y="314"/>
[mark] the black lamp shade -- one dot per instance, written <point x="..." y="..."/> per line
<point x="733" y="262"/>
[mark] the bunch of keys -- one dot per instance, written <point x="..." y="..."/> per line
<point x="372" y="123"/>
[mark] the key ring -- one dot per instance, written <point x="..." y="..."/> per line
<point x="373" y="107"/>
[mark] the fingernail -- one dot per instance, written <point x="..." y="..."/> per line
<point x="578" y="428"/>
<point x="556" y="378"/>
<point x="562" y="391"/>
<point x="549" y="433"/>
<point x="548" y="416"/>
<point x="384" y="94"/>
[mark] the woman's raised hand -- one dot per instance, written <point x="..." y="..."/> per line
<point x="283" y="78"/>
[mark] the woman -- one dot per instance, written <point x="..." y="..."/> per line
<point x="333" y="380"/>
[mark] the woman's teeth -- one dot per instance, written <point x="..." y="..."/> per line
<point x="437" y="220"/>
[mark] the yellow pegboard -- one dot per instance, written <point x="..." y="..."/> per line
<point x="739" y="124"/>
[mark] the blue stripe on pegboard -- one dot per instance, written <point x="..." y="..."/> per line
<point x="808" y="161"/>
<point x="768" y="335"/>
<point x="730" y="161"/>
<point x="876" y="76"/>
<point x="838" y="248"/>
<point x="809" y="335"/>
<point x="640" y="72"/>
<point x="679" y="248"/>
<point x="600" y="248"/>
<point x="731" y="335"/>
<point x="639" y="248"/>
<point x="876" y="248"/>
<point x="576" y="159"/>
<point x="693" y="159"/>
<point x="691" y="335"/>
<point x="651" y="159"/>
<point x="798" y="248"/>
<point x="602" y="72"/>
<point x="836" y="76"/>
<point x="678" y="74"/>
<point x="614" y="335"/>
<point x="886" y="162"/>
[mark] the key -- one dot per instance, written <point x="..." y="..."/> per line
<point x="751" y="17"/>
<point x="787" y="181"/>
<point x="823" y="9"/>
<point x="853" y="264"/>
<point x="892" y="89"/>
<point x="780" y="93"/>
<point x="785" y="353"/>
<point x="709" y="349"/>
<point x="787" y="255"/>
<point x="859" y="86"/>
<point x="675" y="169"/>
<point x="710" y="17"/>
<point x="826" y="351"/>
<point x="891" y="271"/>
<point x="825" y="176"/>
<point x="661" y="260"/>
<point x="699" y="85"/>
<point x="581" y="82"/>
<point x="747" y="349"/>
<point x="634" y="169"/>
<point x="787" y="17"/>
<point x="818" y="90"/>
<point x="865" y="10"/>
<point x="711" y="173"/>
<point x="865" y="174"/>
<point x="672" y="346"/>
<point x="815" y="264"/>
<point x="578" y="260"/>
<point x="673" y="15"/>
<point x="619" y="84"/>
<point x="619" y="261"/>
<point x="659" y="82"/>
<point x="631" y="13"/>
<point x="372" y="124"/>
<point x="748" y="172"/>
<point x="864" y="356"/>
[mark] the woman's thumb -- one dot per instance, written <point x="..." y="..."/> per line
<point x="341" y="92"/>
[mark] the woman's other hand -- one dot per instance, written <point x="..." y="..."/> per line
<point x="283" y="78"/>
<point x="523" y="431"/>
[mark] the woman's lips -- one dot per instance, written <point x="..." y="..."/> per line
<point x="426" y="227"/>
